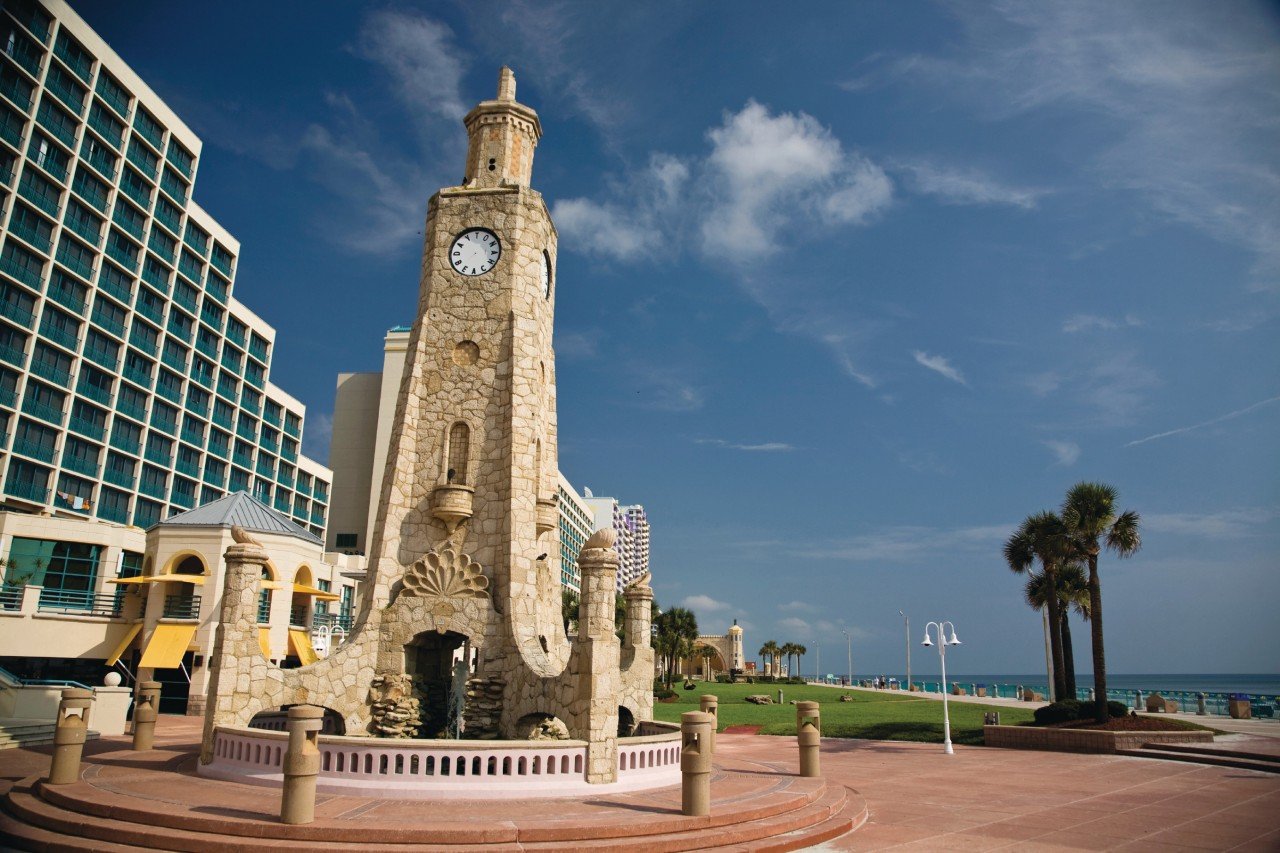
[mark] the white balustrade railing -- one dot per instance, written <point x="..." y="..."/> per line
<point x="428" y="769"/>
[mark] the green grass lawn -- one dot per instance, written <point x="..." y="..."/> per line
<point x="886" y="715"/>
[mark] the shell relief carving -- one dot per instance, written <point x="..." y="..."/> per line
<point x="446" y="574"/>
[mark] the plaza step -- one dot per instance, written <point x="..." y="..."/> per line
<point x="22" y="733"/>
<point x="80" y="816"/>
<point x="1238" y="759"/>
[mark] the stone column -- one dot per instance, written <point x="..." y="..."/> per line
<point x="69" y="735"/>
<point x="809" y="736"/>
<point x="145" y="710"/>
<point x="598" y="656"/>
<point x="710" y="704"/>
<point x="301" y="764"/>
<point x="235" y="644"/>
<point x="695" y="763"/>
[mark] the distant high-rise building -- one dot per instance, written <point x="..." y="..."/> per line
<point x="631" y="525"/>
<point x="133" y="386"/>
<point x="577" y="523"/>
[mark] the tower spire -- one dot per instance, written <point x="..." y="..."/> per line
<point x="501" y="136"/>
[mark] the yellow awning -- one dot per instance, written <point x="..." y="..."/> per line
<point x="198" y="580"/>
<point x="264" y="642"/>
<point x="134" y="579"/>
<point x="124" y="643"/>
<point x="301" y="589"/>
<point x="167" y="646"/>
<point x="300" y="646"/>
<point x="266" y="584"/>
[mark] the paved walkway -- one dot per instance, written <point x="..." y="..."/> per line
<point x="919" y="798"/>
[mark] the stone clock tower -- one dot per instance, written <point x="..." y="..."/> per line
<point x="460" y="623"/>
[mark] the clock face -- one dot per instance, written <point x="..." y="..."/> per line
<point x="475" y="251"/>
<point x="546" y="275"/>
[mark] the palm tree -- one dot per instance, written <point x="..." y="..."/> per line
<point x="569" y="605"/>
<point x="1089" y="512"/>
<point x="708" y="654"/>
<point x="1073" y="593"/>
<point x="1043" y="536"/>
<point x="788" y="650"/>
<point x="799" y="652"/>
<point x="774" y="651"/>
<point x="676" y="631"/>
<point x="764" y="655"/>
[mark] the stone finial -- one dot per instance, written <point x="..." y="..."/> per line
<point x="241" y="536"/>
<point x="605" y="537"/>
<point x="506" y="84"/>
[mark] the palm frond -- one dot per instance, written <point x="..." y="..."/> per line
<point x="1124" y="537"/>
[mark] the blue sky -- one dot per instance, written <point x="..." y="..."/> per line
<point x="844" y="291"/>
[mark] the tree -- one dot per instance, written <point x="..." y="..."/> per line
<point x="569" y="605"/>
<point x="1073" y="593"/>
<point x="708" y="654"/>
<point x="675" y="632"/>
<point x="771" y="650"/>
<point x="1089" y="513"/>
<point x="1043" y="536"/>
<point x="800" y="652"/>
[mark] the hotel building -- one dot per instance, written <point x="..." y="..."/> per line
<point x="133" y="385"/>
<point x="135" y="389"/>
<point x="631" y="524"/>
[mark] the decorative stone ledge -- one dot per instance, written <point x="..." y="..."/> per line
<point x="1082" y="740"/>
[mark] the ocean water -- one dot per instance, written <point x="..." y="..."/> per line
<point x="1255" y="684"/>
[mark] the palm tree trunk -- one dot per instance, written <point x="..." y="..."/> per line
<point x="1055" y="634"/>
<point x="1068" y="655"/>
<point x="1099" y="655"/>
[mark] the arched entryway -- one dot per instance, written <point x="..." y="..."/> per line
<point x="439" y="665"/>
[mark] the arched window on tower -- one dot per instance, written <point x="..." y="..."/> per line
<point x="459" y="451"/>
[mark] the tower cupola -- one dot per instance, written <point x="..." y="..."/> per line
<point x="501" y="136"/>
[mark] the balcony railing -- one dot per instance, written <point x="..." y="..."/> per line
<point x="17" y="313"/>
<point x="191" y="469"/>
<point x="13" y="355"/>
<point x="27" y="491"/>
<point x="88" y="428"/>
<point x="174" y="187"/>
<point x="102" y="357"/>
<point x="62" y="337"/>
<point x="81" y="603"/>
<point x="34" y="450"/>
<point x="93" y="392"/>
<point x="173" y="395"/>
<point x="80" y="465"/>
<point x="193" y="436"/>
<point x="120" y="478"/>
<point x="128" y="445"/>
<point x="331" y="620"/>
<point x="166" y="217"/>
<point x="153" y="489"/>
<point x="243" y="460"/>
<point x="42" y="411"/>
<point x="118" y="514"/>
<point x="105" y="321"/>
<point x="51" y="370"/>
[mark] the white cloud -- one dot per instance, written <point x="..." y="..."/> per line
<point x="911" y="543"/>
<point x="1065" y="453"/>
<point x="1223" y="524"/>
<point x="419" y="55"/>
<point x="1092" y="322"/>
<point x="1220" y="419"/>
<point x="1108" y="387"/>
<point x="665" y="389"/>
<point x="764" y="447"/>
<point x="584" y="344"/>
<point x="1184" y="96"/>
<point x="797" y="607"/>
<point x="704" y="604"/>
<point x="939" y="365"/>
<point x="764" y="172"/>
<point x="967" y="186"/>
<point x="625" y="232"/>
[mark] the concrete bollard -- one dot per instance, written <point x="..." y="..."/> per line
<point x="779" y="695"/>
<point x="809" y="736"/>
<point x="145" y="713"/>
<point x="301" y="764"/>
<point x="1200" y="704"/>
<point x="710" y="704"/>
<point x="1092" y="695"/>
<point x="1137" y="700"/>
<point x="1018" y="693"/>
<point x="695" y="763"/>
<point x="69" y="735"/>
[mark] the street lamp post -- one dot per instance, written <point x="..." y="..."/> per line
<point x="907" y="623"/>
<point x="943" y="642"/>
<point x="817" y="664"/>
<point x="849" y="648"/>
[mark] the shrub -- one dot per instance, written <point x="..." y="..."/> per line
<point x="664" y="693"/>
<point x="1058" y="712"/>
<point x="796" y="679"/>
<point x="721" y="678"/>
<point x="1117" y="709"/>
